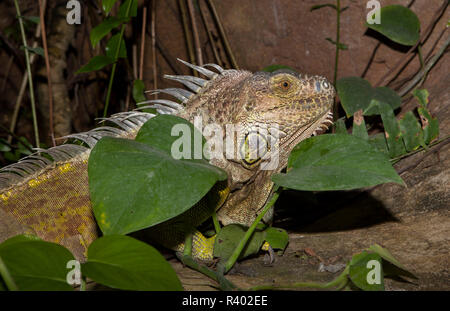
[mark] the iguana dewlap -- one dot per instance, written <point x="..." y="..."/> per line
<point x="50" y="198"/>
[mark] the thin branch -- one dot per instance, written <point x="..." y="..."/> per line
<point x="187" y="33"/>
<point x="210" y="37"/>
<point x="30" y="78"/>
<point x="47" y="67"/>
<point x="198" y="48"/>
<point x="116" y="57"/>
<point x="386" y="79"/>
<point x="141" y="60"/>
<point x="153" y="33"/>
<point x="426" y="69"/>
<point x="223" y="34"/>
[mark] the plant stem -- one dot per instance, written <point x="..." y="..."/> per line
<point x="216" y="222"/>
<point x="6" y="276"/>
<point x="336" y="61"/>
<point x="30" y="78"/>
<point x="116" y="57"/>
<point x="225" y="284"/>
<point x="238" y="250"/>
<point x="339" y="283"/>
<point x="83" y="284"/>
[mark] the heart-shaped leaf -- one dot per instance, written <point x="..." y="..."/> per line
<point x="357" y="94"/>
<point x="366" y="271"/>
<point x="336" y="162"/>
<point x="34" y="264"/>
<point x="399" y="24"/>
<point x="228" y="238"/>
<point x="138" y="184"/>
<point x="276" y="237"/>
<point x="122" y="262"/>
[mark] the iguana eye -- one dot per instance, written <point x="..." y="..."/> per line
<point x="253" y="148"/>
<point x="285" y="85"/>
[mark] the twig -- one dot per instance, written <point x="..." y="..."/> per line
<point x="409" y="55"/>
<point x="141" y="60"/>
<point x="153" y="30"/>
<point x="30" y="78"/>
<point x="336" y="60"/>
<point x="441" y="143"/>
<point x="135" y="61"/>
<point x="339" y="283"/>
<point x="425" y="70"/>
<point x="210" y="37"/>
<point x="406" y="155"/>
<point x="116" y="56"/>
<point x="198" y="48"/>
<point x="187" y="34"/>
<point x="223" y="34"/>
<point x="47" y="67"/>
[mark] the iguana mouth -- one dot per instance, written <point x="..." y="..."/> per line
<point x="318" y="127"/>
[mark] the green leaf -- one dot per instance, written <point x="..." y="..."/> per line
<point x="336" y="162"/>
<point x="138" y="91"/>
<point x="229" y="236"/>
<point x="22" y="144"/>
<point x="422" y="97"/>
<point x="96" y="63"/>
<point x="366" y="267"/>
<point x="399" y="24"/>
<point x="272" y="68"/>
<point x="276" y="237"/>
<point x="104" y="28"/>
<point x="107" y="5"/>
<point x="37" y="50"/>
<point x="359" y="126"/>
<point x="387" y="96"/>
<point x="123" y="9"/>
<point x="430" y="125"/>
<point x="125" y="263"/>
<point x="379" y="142"/>
<point x="412" y="133"/>
<point x="391" y="127"/>
<point x="35" y="264"/>
<point x="151" y="134"/>
<point x="138" y="184"/>
<point x="340" y="126"/>
<point x="34" y="19"/>
<point x="355" y="93"/>
<point x="112" y="45"/>
<point x="4" y="147"/>
<point x="387" y="256"/>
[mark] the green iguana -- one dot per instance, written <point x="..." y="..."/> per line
<point x="50" y="198"/>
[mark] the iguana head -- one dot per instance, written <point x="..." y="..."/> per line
<point x="273" y="112"/>
<point x="278" y="110"/>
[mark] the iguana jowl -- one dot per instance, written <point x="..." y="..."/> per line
<point x="50" y="198"/>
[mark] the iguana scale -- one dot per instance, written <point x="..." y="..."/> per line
<point x="50" y="198"/>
